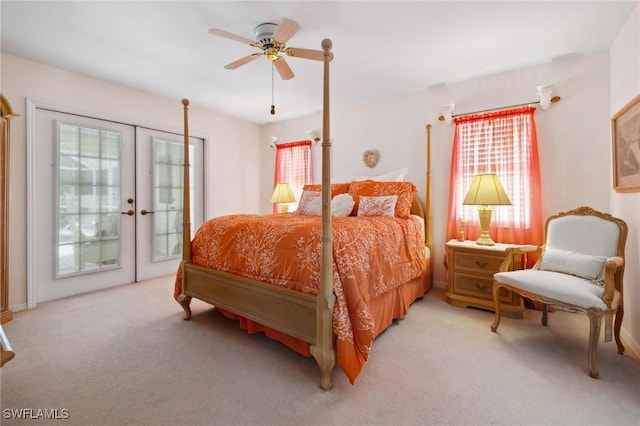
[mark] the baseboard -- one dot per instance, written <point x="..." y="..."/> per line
<point x="17" y="308"/>
<point x="440" y="284"/>
<point x="631" y="347"/>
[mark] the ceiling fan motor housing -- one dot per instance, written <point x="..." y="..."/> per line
<point x="264" y="33"/>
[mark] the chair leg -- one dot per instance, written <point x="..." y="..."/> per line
<point x="595" y="322"/>
<point x="616" y="328"/>
<point x="545" y="314"/>
<point x="496" y="306"/>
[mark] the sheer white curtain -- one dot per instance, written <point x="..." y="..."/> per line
<point x="504" y="143"/>
<point x="294" y="166"/>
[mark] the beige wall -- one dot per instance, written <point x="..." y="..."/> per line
<point x="396" y="127"/>
<point x="232" y="160"/>
<point x="625" y="85"/>
<point x="573" y="138"/>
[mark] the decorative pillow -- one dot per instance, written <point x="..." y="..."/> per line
<point x="369" y="188"/>
<point x="342" y="205"/>
<point x="377" y="206"/>
<point x="336" y="188"/>
<point x="581" y="265"/>
<point x="310" y="203"/>
<point x="394" y="176"/>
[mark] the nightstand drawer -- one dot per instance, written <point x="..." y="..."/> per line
<point x="479" y="286"/>
<point x="478" y="263"/>
<point x="470" y="273"/>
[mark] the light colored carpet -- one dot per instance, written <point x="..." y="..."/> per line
<point x="125" y="356"/>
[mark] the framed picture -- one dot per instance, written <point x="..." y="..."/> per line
<point x="625" y="127"/>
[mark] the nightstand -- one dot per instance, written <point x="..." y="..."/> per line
<point x="470" y="275"/>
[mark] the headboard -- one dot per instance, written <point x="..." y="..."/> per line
<point x="416" y="207"/>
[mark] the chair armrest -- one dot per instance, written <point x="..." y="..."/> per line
<point x="513" y="253"/>
<point x="611" y="266"/>
<point x="614" y="262"/>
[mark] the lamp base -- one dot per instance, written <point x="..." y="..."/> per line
<point x="284" y="208"/>
<point x="484" y="213"/>
<point x="485" y="240"/>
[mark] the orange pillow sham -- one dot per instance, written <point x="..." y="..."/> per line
<point x="336" y="188"/>
<point x="370" y="188"/>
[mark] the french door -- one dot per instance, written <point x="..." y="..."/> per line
<point x="106" y="203"/>
<point x="159" y="165"/>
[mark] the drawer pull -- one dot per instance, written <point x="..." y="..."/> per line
<point x="481" y="286"/>
<point x="482" y="264"/>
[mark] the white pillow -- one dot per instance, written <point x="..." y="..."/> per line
<point x="310" y="203"/>
<point x="581" y="265"/>
<point x="342" y="205"/>
<point x="341" y="179"/>
<point x="394" y="176"/>
<point x="377" y="206"/>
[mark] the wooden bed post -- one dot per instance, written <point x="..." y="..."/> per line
<point x="183" y="299"/>
<point x="304" y="316"/>
<point x="427" y="215"/>
<point x="324" y="348"/>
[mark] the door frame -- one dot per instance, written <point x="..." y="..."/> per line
<point x="32" y="203"/>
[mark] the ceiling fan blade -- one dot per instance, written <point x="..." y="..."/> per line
<point x="316" y="55"/>
<point x="231" y="36"/>
<point x="286" y="29"/>
<point x="283" y="68"/>
<point x="242" y="61"/>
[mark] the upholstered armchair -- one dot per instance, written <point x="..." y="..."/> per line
<point x="580" y="269"/>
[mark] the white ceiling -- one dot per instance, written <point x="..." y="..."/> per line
<point x="381" y="48"/>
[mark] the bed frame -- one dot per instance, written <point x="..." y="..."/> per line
<point x="304" y="316"/>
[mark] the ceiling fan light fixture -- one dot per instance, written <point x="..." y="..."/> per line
<point x="272" y="53"/>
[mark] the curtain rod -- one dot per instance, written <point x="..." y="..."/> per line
<point x="553" y="100"/>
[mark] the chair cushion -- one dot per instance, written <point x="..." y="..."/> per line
<point x="581" y="265"/>
<point x="555" y="285"/>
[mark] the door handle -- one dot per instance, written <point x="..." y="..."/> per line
<point x="129" y="212"/>
<point x="145" y="212"/>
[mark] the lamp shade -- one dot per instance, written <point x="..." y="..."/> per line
<point x="283" y="194"/>
<point x="486" y="190"/>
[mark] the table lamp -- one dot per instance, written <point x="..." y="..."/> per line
<point x="283" y="194"/>
<point x="486" y="191"/>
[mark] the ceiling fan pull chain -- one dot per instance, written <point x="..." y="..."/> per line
<point x="273" y="106"/>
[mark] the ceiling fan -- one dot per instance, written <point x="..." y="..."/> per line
<point x="271" y="39"/>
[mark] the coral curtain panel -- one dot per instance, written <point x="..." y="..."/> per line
<point x="293" y="165"/>
<point x="505" y="143"/>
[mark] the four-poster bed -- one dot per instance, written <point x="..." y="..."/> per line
<point x="309" y="316"/>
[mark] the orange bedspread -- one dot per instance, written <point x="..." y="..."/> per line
<point x="374" y="257"/>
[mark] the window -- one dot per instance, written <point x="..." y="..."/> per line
<point x="505" y="143"/>
<point x="88" y="201"/>
<point x="293" y="165"/>
<point x="168" y="181"/>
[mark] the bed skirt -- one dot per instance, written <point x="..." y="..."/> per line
<point x="385" y="309"/>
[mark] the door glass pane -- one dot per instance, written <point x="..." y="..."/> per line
<point x="168" y="179"/>
<point x="88" y="202"/>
